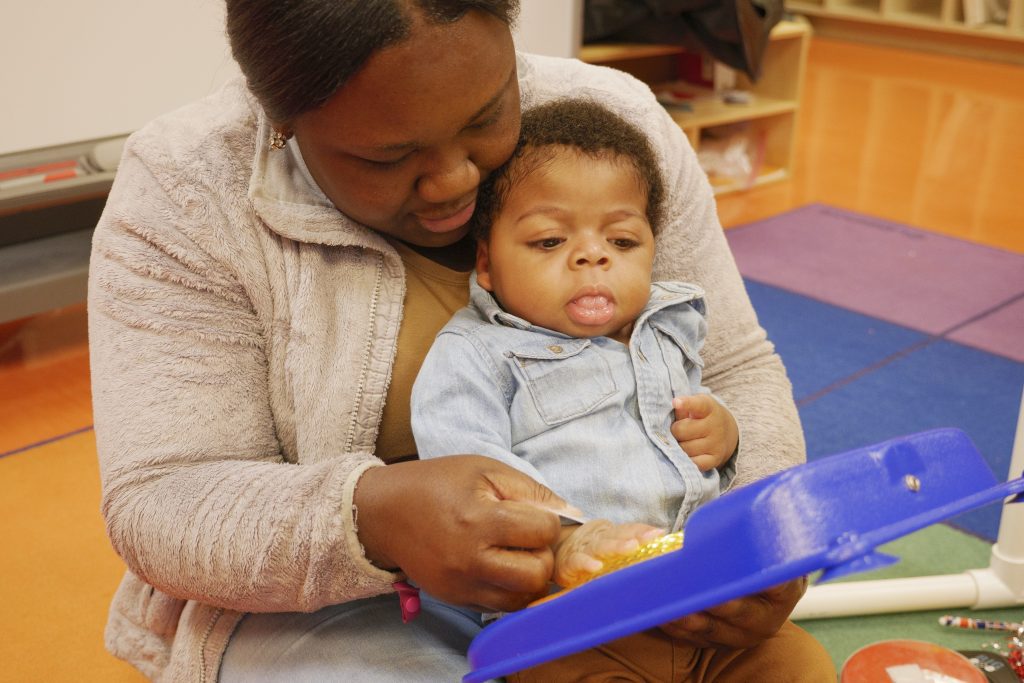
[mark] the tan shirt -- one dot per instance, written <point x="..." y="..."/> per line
<point x="432" y="294"/>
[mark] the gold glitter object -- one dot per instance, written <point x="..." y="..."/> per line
<point x="659" y="546"/>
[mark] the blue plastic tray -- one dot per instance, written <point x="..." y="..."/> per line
<point x="830" y="514"/>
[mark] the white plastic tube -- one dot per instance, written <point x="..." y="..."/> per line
<point x="1008" y="552"/>
<point x="1001" y="584"/>
<point x="887" y="595"/>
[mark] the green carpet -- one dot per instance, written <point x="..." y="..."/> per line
<point x="938" y="549"/>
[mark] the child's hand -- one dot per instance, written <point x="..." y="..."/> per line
<point x="580" y="552"/>
<point x="705" y="430"/>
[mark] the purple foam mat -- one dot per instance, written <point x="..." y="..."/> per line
<point x="1000" y="332"/>
<point x="921" y="280"/>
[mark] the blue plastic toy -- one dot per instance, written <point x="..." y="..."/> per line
<point x="829" y="514"/>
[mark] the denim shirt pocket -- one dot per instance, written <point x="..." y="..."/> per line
<point x="685" y="365"/>
<point x="566" y="378"/>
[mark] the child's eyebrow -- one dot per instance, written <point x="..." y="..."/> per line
<point x="543" y="210"/>
<point x="558" y="212"/>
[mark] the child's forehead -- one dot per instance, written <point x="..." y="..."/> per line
<point x="533" y="157"/>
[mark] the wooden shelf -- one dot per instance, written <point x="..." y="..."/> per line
<point x="933" y="25"/>
<point x="712" y="111"/>
<point x="770" y="116"/>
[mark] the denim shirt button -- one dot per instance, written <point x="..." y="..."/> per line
<point x="555" y="348"/>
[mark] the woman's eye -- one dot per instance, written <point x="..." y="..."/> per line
<point x="386" y="163"/>
<point x="486" y="123"/>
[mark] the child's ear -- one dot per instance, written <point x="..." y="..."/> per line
<point x="483" y="266"/>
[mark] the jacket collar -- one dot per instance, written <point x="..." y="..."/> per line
<point x="287" y="199"/>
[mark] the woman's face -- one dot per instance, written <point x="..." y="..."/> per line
<point x="403" y="145"/>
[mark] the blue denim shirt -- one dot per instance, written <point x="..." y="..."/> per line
<point x="588" y="417"/>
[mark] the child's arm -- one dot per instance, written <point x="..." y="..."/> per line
<point x="580" y="550"/>
<point x="705" y="430"/>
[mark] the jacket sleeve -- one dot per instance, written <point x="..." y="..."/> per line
<point x="460" y="404"/>
<point x="740" y="364"/>
<point x="197" y="497"/>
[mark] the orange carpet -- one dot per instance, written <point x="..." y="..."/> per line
<point x="57" y="567"/>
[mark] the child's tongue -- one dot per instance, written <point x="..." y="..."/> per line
<point x="593" y="309"/>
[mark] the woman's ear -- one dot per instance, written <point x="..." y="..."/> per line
<point x="483" y="266"/>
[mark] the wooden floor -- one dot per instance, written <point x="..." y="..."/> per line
<point x="932" y="141"/>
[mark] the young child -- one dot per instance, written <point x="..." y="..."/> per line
<point x="569" y="364"/>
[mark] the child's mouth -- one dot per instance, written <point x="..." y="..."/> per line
<point x="591" y="309"/>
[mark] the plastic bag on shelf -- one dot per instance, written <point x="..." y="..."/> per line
<point x="731" y="155"/>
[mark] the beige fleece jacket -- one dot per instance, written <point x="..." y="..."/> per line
<point x="241" y="337"/>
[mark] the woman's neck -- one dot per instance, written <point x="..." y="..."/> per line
<point x="460" y="256"/>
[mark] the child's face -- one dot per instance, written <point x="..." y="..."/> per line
<point x="571" y="249"/>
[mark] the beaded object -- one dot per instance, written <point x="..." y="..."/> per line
<point x="1015" y="654"/>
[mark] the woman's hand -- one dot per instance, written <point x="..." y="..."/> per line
<point x="740" y="623"/>
<point x="467" y="529"/>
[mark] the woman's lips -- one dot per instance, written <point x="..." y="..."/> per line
<point x="448" y="223"/>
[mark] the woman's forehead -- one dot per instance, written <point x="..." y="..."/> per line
<point x="431" y="84"/>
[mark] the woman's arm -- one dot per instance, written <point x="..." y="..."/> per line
<point x="740" y="364"/>
<point x="198" y="499"/>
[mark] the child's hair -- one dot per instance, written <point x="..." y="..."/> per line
<point x="584" y="126"/>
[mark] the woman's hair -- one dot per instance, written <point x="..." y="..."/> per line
<point x="295" y="54"/>
<point x="585" y="126"/>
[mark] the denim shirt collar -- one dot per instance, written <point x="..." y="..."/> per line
<point x="663" y="295"/>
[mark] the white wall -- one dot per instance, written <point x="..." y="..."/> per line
<point x="74" y="70"/>
<point x="550" y="27"/>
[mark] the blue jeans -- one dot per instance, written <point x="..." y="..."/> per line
<point x="363" y="641"/>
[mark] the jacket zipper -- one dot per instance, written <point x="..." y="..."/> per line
<point x="202" y="644"/>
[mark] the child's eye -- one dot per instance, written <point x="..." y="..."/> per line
<point x="547" y="242"/>
<point x="624" y="243"/>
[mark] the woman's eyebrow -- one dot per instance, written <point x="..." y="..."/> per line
<point x="413" y="144"/>
<point x="494" y="100"/>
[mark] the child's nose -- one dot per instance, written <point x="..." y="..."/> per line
<point x="591" y="253"/>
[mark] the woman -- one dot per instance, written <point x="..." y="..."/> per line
<point x="271" y="266"/>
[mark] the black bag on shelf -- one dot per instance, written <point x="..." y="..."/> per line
<point x="734" y="32"/>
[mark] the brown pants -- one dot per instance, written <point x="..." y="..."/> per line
<point x="791" y="656"/>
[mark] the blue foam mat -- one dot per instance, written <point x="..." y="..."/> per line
<point x="823" y="344"/>
<point x="861" y="380"/>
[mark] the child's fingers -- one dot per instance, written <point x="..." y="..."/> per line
<point x="688" y="430"/>
<point x="695" y="406"/>
<point x="705" y="462"/>
<point x="612" y="546"/>
<point x="582" y="563"/>
<point x="575" y="569"/>
<point x="620" y="539"/>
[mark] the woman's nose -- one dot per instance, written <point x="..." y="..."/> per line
<point x="450" y="178"/>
